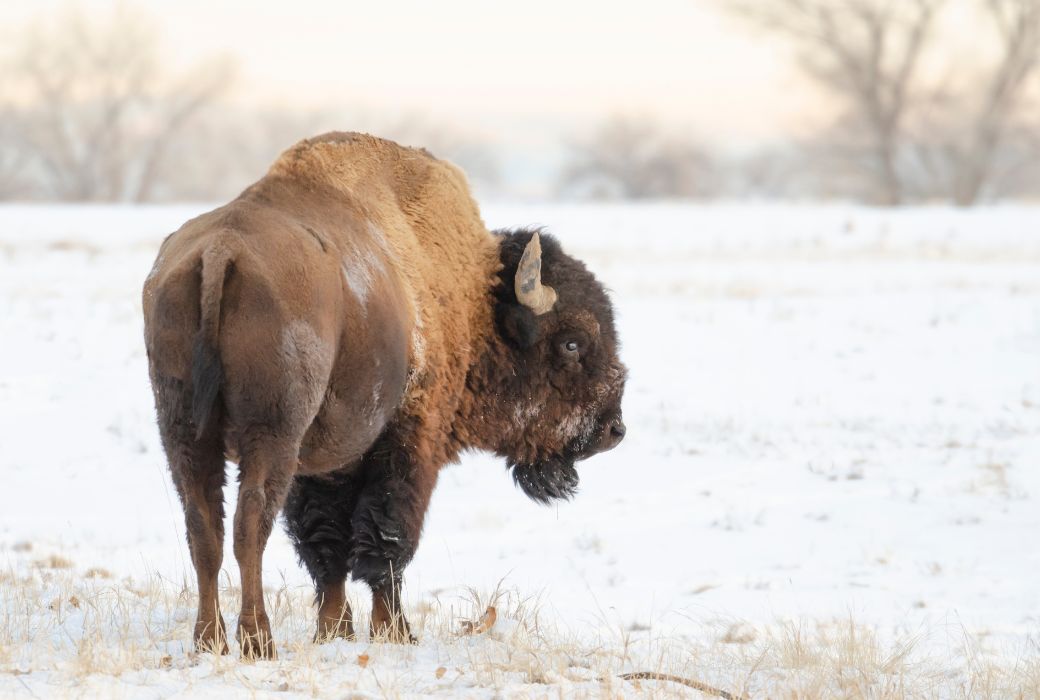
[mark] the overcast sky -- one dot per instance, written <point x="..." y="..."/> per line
<point x="526" y="75"/>
<point x="490" y="65"/>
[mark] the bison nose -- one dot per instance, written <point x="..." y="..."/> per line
<point x="612" y="434"/>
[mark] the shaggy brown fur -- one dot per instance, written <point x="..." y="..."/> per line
<point x="342" y="330"/>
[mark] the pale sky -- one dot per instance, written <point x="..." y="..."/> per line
<point x="491" y="66"/>
<point x="523" y="76"/>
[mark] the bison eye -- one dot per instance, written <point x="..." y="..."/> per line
<point x="571" y="346"/>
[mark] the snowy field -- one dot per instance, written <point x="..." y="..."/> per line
<point x="830" y="484"/>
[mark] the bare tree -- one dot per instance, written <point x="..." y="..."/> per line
<point x="977" y="157"/>
<point x="972" y="139"/>
<point x="13" y="179"/>
<point x="634" y="159"/>
<point x="94" y="110"/>
<point x="223" y="151"/>
<point x="774" y="172"/>
<point x="867" y="53"/>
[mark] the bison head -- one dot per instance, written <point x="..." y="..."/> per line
<point x="559" y="380"/>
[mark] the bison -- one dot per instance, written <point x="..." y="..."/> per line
<point x="342" y="330"/>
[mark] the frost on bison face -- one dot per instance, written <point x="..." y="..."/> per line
<point x="558" y="367"/>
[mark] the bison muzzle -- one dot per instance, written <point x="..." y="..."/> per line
<point x="342" y="330"/>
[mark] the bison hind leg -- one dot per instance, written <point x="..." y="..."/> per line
<point x="198" y="470"/>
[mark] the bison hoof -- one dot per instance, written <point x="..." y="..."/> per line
<point x="334" y="629"/>
<point x="254" y="637"/>
<point x="211" y="637"/>
<point x="396" y="632"/>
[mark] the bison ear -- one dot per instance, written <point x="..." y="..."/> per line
<point x="518" y="324"/>
<point x="530" y="291"/>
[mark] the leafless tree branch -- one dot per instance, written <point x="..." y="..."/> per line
<point x="94" y="111"/>
<point x="865" y="52"/>
<point x="635" y="159"/>
<point x="1018" y="27"/>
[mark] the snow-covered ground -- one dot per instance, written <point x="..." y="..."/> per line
<point x="833" y="414"/>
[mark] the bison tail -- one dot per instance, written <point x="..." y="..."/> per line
<point x="207" y="371"/>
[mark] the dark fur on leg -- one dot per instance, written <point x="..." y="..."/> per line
<point x="385" y="531"/>
<point x="317" y="517"/>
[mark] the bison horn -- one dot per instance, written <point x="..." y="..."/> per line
<point x="528" y="285"/>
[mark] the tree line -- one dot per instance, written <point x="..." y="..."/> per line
<point x="89" y="112"/>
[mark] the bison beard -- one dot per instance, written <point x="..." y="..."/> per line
<point x="554" y="479"/>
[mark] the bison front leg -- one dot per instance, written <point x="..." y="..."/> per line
<point x="264" y="477"/>
<point x="387" y="523"/>
<point x="318" y="514"/>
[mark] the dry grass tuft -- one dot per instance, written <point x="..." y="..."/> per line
<point x="53" y="561"/>
<point x="97" y="572"/>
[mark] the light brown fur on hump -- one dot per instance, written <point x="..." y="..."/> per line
<point x="447" y="259"/>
